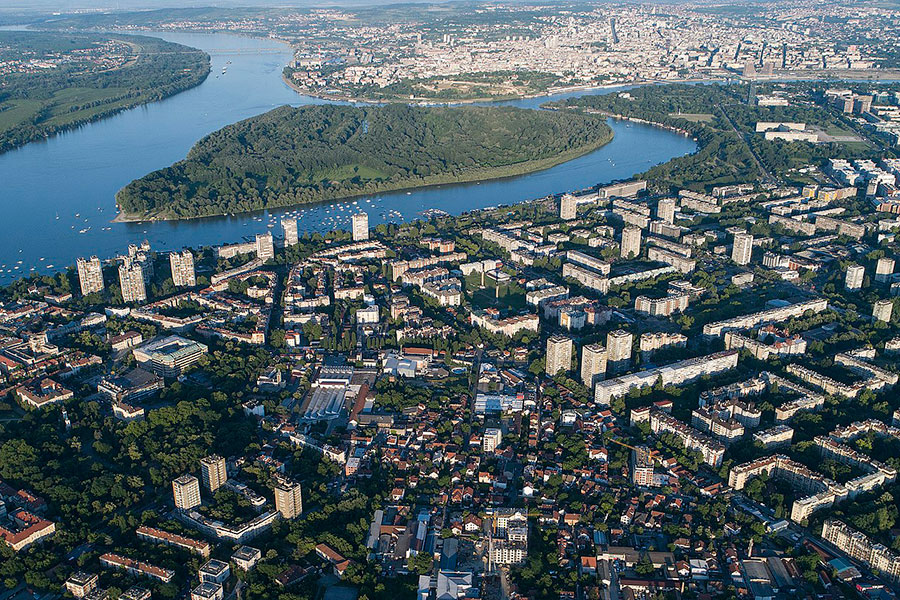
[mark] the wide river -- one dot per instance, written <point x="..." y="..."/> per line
<point x="57" y="197"/>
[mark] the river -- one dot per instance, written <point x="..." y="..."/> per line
<point x="58" y="196"/>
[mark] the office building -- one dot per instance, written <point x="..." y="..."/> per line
<point x="593" y="364"/>
<point x="265" y="246"/>
<point x="288" y="499"/>
<point x="212" y="472"/>
<point x="568" y="207"/>
<point x="90" y="275"/>
<point x="360" y="227"/>
<point x="169" y="356"/>
<point x="631" y="242"/>
<point x="182" y="264"/>
<point x="743" y="248"/>
<point x="665" y="210"/>
<point x="854" y="279"/>
<point x="289" y="226"/>
<point x="618" y="350"/>
<point x="131" y="280"/>
<point x="883" y="309"/>
<point x="559" y="354"/>
<point x="186" y="490"/>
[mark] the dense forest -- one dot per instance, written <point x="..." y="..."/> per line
<point x="297" y="155"/>
<point x="78" y="88"/>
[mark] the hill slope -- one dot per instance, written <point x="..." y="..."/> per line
<point x="298" y="155"/>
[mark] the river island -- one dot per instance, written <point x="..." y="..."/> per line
<point x="291" y="156"/>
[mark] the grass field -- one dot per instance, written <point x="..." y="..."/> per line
<point x="58" y="110"/>
<point x="14" y="112"/>
<point x="693" y="117"/>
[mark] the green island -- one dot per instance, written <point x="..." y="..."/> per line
<point x="292" y="156"/>
<point x="51" y="82"/>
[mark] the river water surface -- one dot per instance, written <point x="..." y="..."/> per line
<point x="57" y="196"/>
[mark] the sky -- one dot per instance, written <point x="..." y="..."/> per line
<point x="70" y="5"/>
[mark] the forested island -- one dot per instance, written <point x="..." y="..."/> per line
<point x="50" y="82"/>
<point x="292" y="156"/>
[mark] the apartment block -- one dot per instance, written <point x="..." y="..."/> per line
<point x="182" y="265"/>
<point x="90" y="275"/>
<point x="186" y="490"/>
<point x="212" y="472"/>
<point x="559" y="355"/>
<point x="360" y="226"/>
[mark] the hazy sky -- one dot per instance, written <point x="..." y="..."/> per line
<point x="70" y="5"/>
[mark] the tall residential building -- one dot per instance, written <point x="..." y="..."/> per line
<point x="743" y="248"/>
<point x="289" y="226"/>
<point x="141" y="255"/>
<point x="288" y="499"/>
<point x="631" y="242"/>
<point x="884" y="269"/>
<point x="883" y="309"/>
<point x="665" y="210"/>
<point x="593" y="364"/>
<point x="182" y="264"/>
<point x="618" y="350"/>
<point x="360" y="227"/>
<point x="568" y="207"/>
<point x="641" y="466"/>
<point x="212" y="472"/>
<point x="265" y="246"/>
<point x="559" y="354"/>
<point x="90" y="275"/>
<point x="186" y="490"/>
<point x="854" y="279"/>
<point x="131" y="280"/>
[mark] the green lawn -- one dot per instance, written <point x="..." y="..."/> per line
<point x="13" y="112"/>
<point x="693" y="117"/>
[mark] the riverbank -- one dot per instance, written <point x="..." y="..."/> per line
<point x="549" y="92"/>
